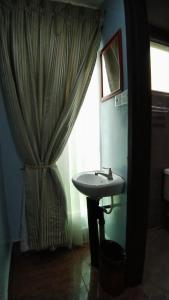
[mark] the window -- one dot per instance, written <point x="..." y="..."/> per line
<point x="159" y="67"/>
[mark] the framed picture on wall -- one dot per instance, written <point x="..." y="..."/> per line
<point x="112" y="67"/>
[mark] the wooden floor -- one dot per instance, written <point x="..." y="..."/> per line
<point x="60" y="275"/>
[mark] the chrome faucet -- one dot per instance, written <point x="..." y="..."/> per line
<point x="109" y="175"/>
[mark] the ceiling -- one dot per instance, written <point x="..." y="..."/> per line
<point x="158" y="13"/>
<point x="158" y="10"/>
<point x="90" y="3"/>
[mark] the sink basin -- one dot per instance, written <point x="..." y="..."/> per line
<point x="98" y="186"/>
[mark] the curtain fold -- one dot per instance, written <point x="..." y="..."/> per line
<point x="47" y="54"/>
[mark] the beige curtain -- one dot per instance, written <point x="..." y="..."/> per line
<point x="47" y="55"/>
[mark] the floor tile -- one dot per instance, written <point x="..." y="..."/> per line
<point x="156" y="270"/>
<point x="48" y="276"/>
<point x="68" y="275"/>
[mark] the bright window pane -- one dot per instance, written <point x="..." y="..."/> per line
<point x="159" y="67"/>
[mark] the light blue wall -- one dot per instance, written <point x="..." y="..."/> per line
<point x="12" y="175"/>
<point x="114" y="126"/>
<point x="10" y="199"/>
<point x="5" y="243"/>
<point x="5" y="259"/>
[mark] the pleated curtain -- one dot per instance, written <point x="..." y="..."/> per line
<point x="47" y="55"/>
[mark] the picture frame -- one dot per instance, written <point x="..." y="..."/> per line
<point x="112" y="67"/>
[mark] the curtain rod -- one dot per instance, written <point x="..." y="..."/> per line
<point x="77" y="4"/>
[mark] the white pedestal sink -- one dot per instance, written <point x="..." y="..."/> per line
<point x="98" y="186"/>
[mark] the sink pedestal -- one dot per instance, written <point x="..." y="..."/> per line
<point x="95" y="214"/>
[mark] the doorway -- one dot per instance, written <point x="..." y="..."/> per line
<point x="156" y="270"/>
<point x="159" y="130"/>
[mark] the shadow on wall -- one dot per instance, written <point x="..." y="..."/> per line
<point x="12" y="175"/>
<point x="5" y="244"/>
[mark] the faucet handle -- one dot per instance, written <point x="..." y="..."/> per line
<point x="110" y="174"/>
<point x="110" y="170"/>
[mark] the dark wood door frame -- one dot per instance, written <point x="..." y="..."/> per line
<point x="139" y="135"/>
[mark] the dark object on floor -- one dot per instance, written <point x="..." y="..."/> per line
<point x="112" y="267"/>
